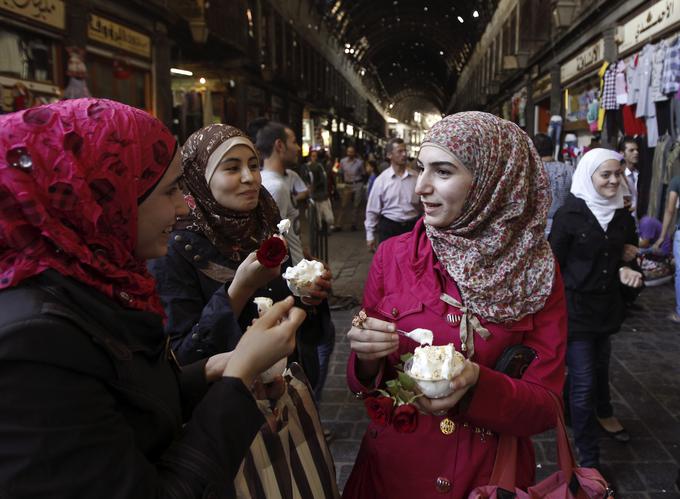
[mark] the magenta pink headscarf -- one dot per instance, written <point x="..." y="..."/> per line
<point x="71" y="177"/>
<point x="495" y="251"/>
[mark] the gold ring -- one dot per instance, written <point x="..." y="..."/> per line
<point x="359" y="319"/>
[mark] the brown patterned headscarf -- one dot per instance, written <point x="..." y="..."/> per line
<point x="495" y="251"/>
<point x="235" y="234"/>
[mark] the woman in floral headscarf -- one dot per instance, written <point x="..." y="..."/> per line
<point x="477" y="271"/>
<point x="231" y="215"/>
<point x="92" y="403"/>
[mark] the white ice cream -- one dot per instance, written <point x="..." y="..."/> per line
<point x="283" y="226"/>
<point x="422" y="336"/>
<point x="263" y="304"/>
<point x="436" y="362"/>
<point x="302" y="275"/>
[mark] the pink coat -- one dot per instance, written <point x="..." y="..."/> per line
<point x="404" y="286"/>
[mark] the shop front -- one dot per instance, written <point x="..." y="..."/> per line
<point x="119" y="62"/>
<point x="580" y="81"/>
<point x="541" y="89"/>
<point x="31" y="41"/>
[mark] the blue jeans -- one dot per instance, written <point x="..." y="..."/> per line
<point x="676" y="255"/>
<point x="588" y="362"/>
<point x="324" y="351"/>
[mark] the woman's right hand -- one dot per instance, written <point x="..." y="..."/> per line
<point x="374" y="339"/>
<point x="630" y="277"/>
<point x="252" y="275"/>
<point x="269" y="339"/>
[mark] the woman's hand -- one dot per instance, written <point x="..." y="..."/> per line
<point x="216" y="366"/>
<point x="460" y="384"/>
<point x="266" y="341"/>
<point x="372" y="341"/>
<point x="322" y="286"/>
<point x="630" y="251"/>
<point x="630" y="277"/>
<point x="250" y="276"/>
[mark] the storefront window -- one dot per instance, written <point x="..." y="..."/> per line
<point x="130" y="87"/>
<point x="26" y="56"/>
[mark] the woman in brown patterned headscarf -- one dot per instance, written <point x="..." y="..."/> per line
<point x="228" y="204"/>
<point x="211" y="268"/>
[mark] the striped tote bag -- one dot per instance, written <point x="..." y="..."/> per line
<point x="289" y="458"/>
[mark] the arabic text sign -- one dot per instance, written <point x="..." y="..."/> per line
<point x="587" y="59"/>
<point x="116" y="35"/>
<point x="653" y="20"/>
<point x="49" y="12"/>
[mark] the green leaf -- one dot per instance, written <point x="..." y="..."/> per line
<point x="406" y="357"/>
<point x="392" y="383"/>
<point x="406" y="381"/>
<point x="384" y="393"/>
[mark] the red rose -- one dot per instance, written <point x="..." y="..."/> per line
<point x="405" y="418"/>
<point x="272" y="252"/>
<point x="379" y="409"/>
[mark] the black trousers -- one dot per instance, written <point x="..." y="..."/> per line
<point x="389" y="228"/>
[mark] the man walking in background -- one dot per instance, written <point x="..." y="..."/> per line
<point x="352" y="172"/>
<point x="393" y="206"/>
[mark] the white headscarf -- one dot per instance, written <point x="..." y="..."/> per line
<point x="582" y="186"/>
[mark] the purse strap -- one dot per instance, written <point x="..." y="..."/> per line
<point x="505" y="465"/>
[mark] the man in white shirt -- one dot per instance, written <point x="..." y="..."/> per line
<point x="393" y="206"/>
<point x="280" y="150"/>
<point x="631" y="157"/>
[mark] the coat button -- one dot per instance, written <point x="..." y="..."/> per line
<point x="443" y="485"/>
<point x="188" y="247"/>
<point x="606" y="253"/>
<point x="178" y="238"/>
<point x="197" y="258"/>
<point x="604" y="271"/>
<point x="395" y="312"/>
<point x="194" y="336"/>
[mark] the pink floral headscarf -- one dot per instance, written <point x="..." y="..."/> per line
<point x="72" y="175"/>
<point x="495" y="251"/>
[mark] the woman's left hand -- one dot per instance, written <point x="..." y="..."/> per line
<point x="630" y="277"/>
<point x="460" y="384"/>
<point x="322" y="286"/>
<point x="630" y="251"/>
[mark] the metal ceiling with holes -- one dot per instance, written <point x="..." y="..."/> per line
<point x="409" y="51"/>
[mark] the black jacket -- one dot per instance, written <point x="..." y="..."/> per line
<point x="91" y="405"/>
<point x="590" y="259"/>
<point x="192" y="280"/>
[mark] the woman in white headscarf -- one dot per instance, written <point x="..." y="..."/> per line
<point x="588" y="237"/>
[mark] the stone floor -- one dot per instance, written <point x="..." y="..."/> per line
<point x="645" y="378"/>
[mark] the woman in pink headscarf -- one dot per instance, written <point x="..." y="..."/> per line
<point x="92" y="402"/>
<point x="477" y="271"/>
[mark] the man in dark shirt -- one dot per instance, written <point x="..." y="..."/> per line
<point x="670" y="223"/>
<point x="319" y="188"/>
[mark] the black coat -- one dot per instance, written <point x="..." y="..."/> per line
<point x="92" y="406"/>
<point x="192" y="280"/>
<point x="590" y="259"/>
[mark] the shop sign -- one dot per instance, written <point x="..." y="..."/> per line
<point x="654" y="20"/>
<point x="49" y="12"/>
<point x="587" y="59"/>
<point x="542" y="86"/>
<point x="116" y="35"/>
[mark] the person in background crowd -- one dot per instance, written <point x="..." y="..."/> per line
<point x="589" y="237"/>
<point x="483" y="186"/>
<point x="319" y="191"/>
<point x="280" y="151"/>
<point x="656" y="266"/>
<point x="393" y="207"/>
<point x="352" y="171"/>
<point x="371" y="168"/>
<point x="91" y="399"/>
<point x="628" y="147"/>
<point x="559" y="175"/>
<point x="670" y="225"/>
